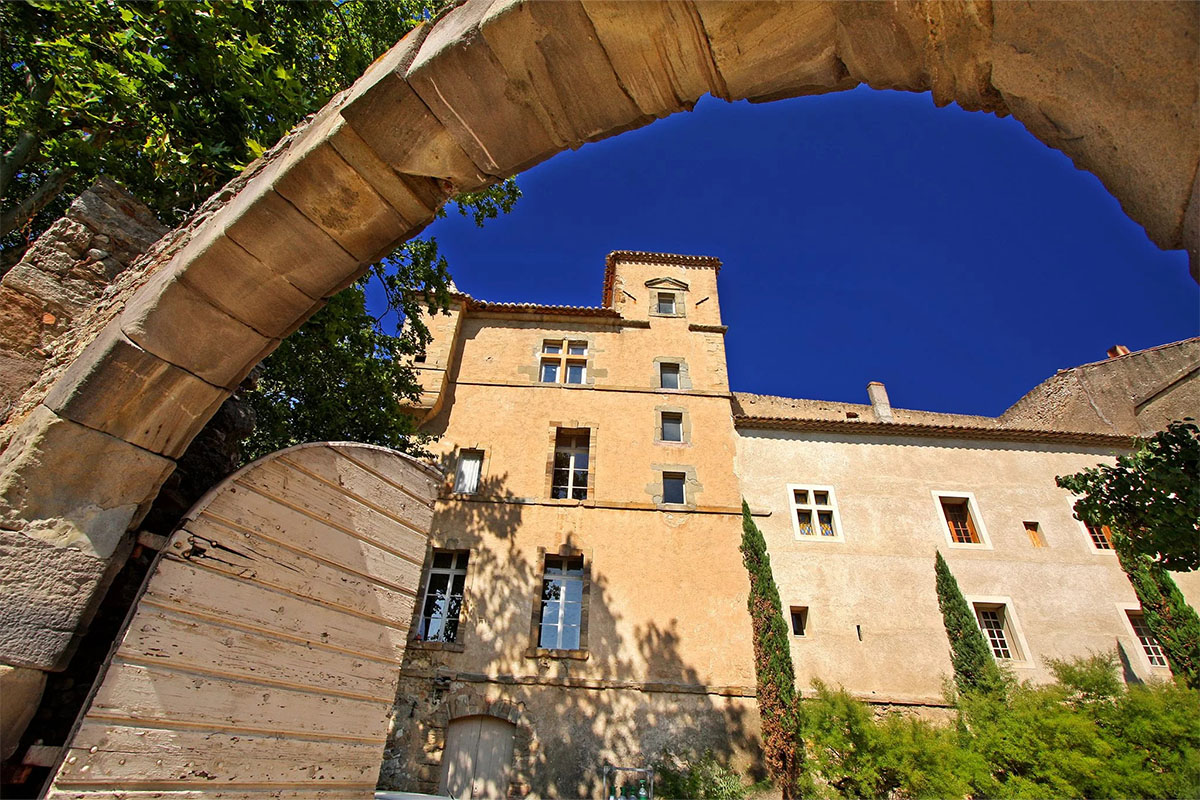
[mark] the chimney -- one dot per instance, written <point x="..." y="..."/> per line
<point x="879" y="401"/>
<point x="1118" y="350"/>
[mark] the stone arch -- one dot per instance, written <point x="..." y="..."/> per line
<point x="472" y="701"/>
<point x="495" y="86"/>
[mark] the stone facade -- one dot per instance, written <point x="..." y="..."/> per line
<point x="664" y="661"/>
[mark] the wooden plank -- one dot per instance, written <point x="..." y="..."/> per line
<point x="262" y="658"/>
<point x="125" y="756"/>
<point x="344" y="506"/>
<point x="375" y="475"/>
<point x="190" y="589"/>
<point x="288" y="527"/>
<point x="219" y="547"/>
<point x="218" y="650"/>
<point x="138" y="693"/>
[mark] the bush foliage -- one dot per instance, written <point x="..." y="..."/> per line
<point x="1086" y="735"/>
<point x="705" y="778"/>
<point x="974" y="668"/>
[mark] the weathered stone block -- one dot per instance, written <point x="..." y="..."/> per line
<point x="677" y="67"/>
<point x="552" y="48"/>
<point x="273" y="231"/>
<point x="328" y="191"/>
<point x="72" y="486"/>
<point x="48" y="596"/>
<point x="770" y="50"/>
<point x="241" y="285"/>
<point x="883" y="44"/>
<point x="1112" y="85"/>
<point x="415" y="198"/>
<point x="462" y="82"/>
<point x="392" y="120"/>
<point x="176" y="323"/>
<point x="20" y="322"/>
<point x="21" y="689"/>
<point x="116" y="387"/>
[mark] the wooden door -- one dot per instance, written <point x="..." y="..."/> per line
<point x="263" y="655"/>
<point x="477" y="759"/>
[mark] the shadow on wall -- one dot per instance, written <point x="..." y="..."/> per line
<point x="632" y="700"/>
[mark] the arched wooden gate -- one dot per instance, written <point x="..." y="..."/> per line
<point x="263" y="655"/>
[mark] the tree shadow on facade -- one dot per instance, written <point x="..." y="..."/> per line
<point x="632" y="692"/>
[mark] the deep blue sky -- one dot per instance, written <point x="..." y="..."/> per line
<point x="866" y="236"/>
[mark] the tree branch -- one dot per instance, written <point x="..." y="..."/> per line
<point x="19" y="215"/>
<point x="30" y="139"/>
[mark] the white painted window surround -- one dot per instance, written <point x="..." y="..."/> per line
<point x="1022" y="657"/>
<point x="814" y="513"/>
<point x="984" y="543"/>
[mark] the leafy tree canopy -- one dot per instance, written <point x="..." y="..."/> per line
<point x="1151" y="496"/>
<point x="172" y="100"/>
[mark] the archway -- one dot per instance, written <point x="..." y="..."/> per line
<point x="485" y="91"/>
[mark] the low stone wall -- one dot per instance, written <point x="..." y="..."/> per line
<point x="63" y="276"/>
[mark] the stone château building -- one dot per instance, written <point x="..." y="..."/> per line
<point x="583" y="598"/>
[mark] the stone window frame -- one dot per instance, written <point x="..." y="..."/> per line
<point x="535" y="616"/>
<point x="685" y="378"/>
<point x="985" y="541"/>
<point x="457" y="646"/>
<point x="571" y="425"/>
<point x="672" y="286"/>
<point x="1093" y="541"/>
<point x="692" y="488"/>
<point x="1022" y="655"/>
<point x="1127" y="612"/>
<point x="564" y="358"/>
<point x="832" y="505"/>
<point x="685" y="426"/>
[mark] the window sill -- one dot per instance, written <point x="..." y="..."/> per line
<point x="541" y="652"/>
<point x="447" y="647"/>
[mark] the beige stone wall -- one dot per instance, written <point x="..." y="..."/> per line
<point x="668" y="655"/>
<point x="1066" y="596"/>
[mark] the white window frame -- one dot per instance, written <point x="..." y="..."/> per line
<point x="546" y="362"/>
<point x="563" y="578"/>
<point x="582" y="372"/>
<point x="1124" y="609"/>
<point x="658" y="295"/>
<point x="662" y="422"/>
<point x="793" y="507"/>
<point x="985" y="541"/>
<point x="572" y="451"/>
<point x="678" y="375"/>
<point x="1012" y="624"/>
<point x="1091" y="543"/>
<point x="663" y="478"/>
<point x="464" y="456"/>
<point x="451" y="572"/>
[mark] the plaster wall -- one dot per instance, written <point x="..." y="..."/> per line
<point x="1066" y="596"/>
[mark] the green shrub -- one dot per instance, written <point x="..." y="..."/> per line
<point x="706" y="778"/>
<point x="1086" y="735"/>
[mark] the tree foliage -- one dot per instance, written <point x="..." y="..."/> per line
<point x="1151" y="496"/>
<point x="1172" y="621"/>
<point x="975" y="670"/>
<point x="1086" y="735"/>
<point x="783" y="753"/>
<point x="172" y="100"/>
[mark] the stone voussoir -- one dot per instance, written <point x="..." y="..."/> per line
<point x="460" y="79"/>
<point x="170" y="319"/>
<point x="73" y="486"/>
<point x="394" y="122"/>
<point x="770" y="50"/>
<point x="671" y="75"/>
<point x="119" y="388"/>
<point x="553" y="49"/>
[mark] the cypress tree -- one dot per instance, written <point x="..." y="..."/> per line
<point x="975" y="671"/>
<point x="776" y="678"/>
<point x="1168" y="616"/>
